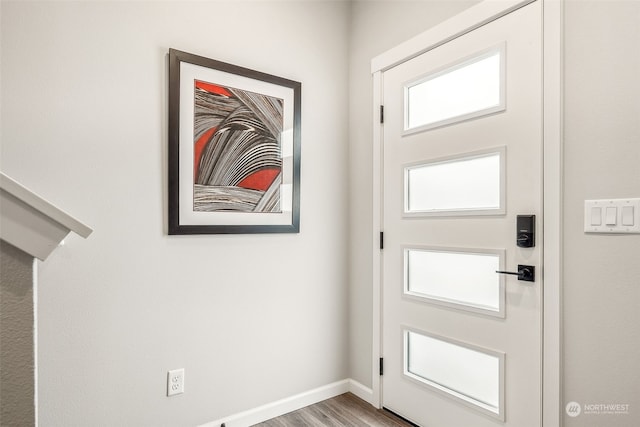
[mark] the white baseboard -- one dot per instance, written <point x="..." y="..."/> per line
<point x="293" y="403"/>
<point x="364" y="393"/>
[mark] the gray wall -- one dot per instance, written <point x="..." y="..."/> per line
<point x="84" y="123"/>
<point x="17" y="364"/>
<point x="602" y="160"/>
<point x="253" y="318"/>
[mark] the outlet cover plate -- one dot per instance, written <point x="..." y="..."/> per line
<point x="175" y="382"/>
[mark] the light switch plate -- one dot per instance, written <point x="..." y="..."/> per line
<point x="598" y="216"/>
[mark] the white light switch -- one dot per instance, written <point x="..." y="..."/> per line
<point x="612" y="216"/>
<point x="627" y="215"/>
<point x="596" y="215"/>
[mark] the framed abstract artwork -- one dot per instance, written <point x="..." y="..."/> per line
<point x="234" y="149"/>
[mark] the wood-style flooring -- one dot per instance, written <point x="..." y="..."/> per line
<point x="345" y="410"/>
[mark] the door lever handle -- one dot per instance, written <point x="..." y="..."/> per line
<point x="525" y="273"/>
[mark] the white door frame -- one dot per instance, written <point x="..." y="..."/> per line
<point x="468" y="20"/>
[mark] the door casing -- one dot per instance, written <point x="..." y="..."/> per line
<point x="470" y="19"/>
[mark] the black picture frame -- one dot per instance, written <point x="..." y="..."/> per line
<point x="234" y="149"/>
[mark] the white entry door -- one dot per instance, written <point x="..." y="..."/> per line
<point x="462" y="160"/>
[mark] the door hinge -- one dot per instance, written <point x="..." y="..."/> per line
<point x="382" y="114"/>
<point x="382" y="240"/>
<point x="381" y="366"/>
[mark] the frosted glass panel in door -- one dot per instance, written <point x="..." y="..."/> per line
<point x="463" y="185"/>
<point x="471" y="88"/>
<point x="461" y="371"/>
<point x="462" y="280"/>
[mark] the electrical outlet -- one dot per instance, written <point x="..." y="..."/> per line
<point x="175" y="382"/>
